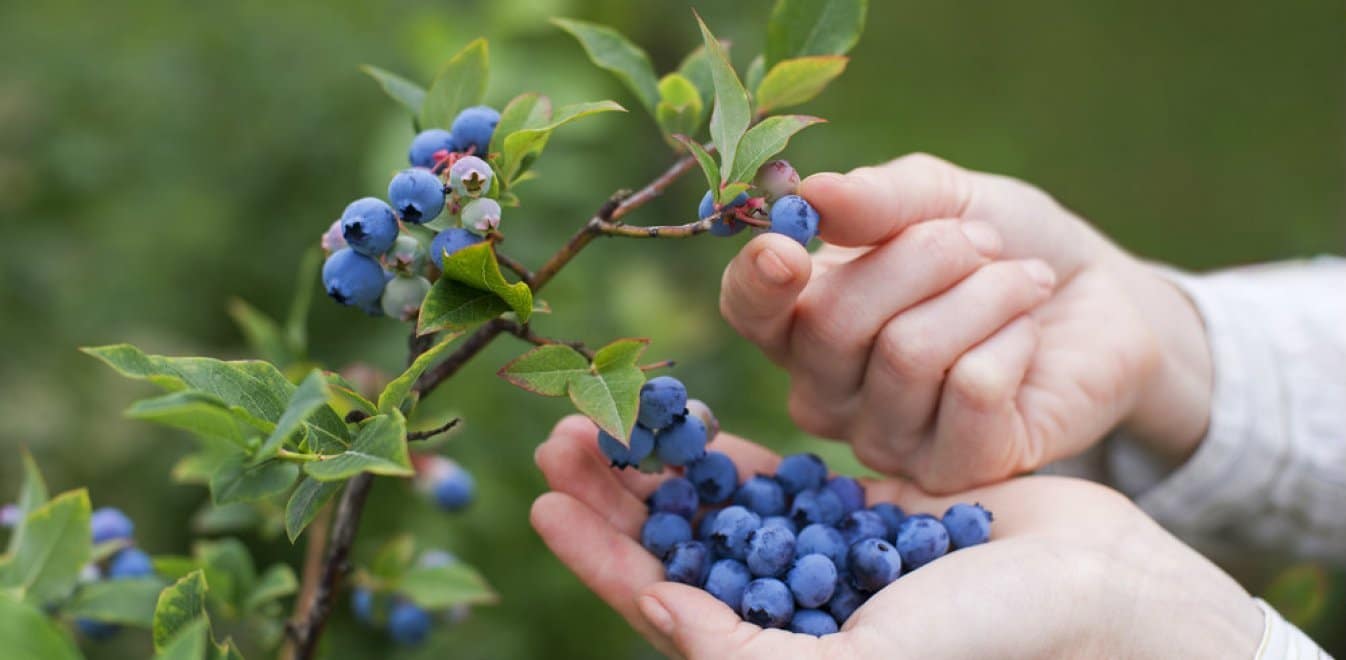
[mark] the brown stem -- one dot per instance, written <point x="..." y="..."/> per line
<point x="514" y="265"/>
<point x="430" y="433"/>
<point x="305" y="631"/>
<point x="314" y="551"/>
<point x="525" y="332"/>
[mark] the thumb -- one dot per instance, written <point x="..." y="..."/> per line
<point x="870" y="205"/>
<point x="701" y="626"/>
<point x="760" y="287"/>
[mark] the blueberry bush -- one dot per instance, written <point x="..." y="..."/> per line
<point x="296" y="446"/>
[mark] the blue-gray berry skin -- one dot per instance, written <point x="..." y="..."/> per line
<point x="726" y="581"/>
<point x="872" y="564"/>
<point x="846" y="599"/>
<point x="768" y="603"/>
<point x="353" y="279"/>
<point x="763" y="495"/>
<point x="816" y="506"/>
<point x="416" y="195"/>
<point x="662" y="400"/>
<point x="783" y="522"/>
<point x="771" y="550"/>
<point x="662" y="531"/>
<point x="362" y="605"/>
<point x="687" y="563"/>
<point x="473" y="127"/>
<point x="369" y="226"/>
<point x="715" y="477"/>
<point x="455" y="490"/>
<point x="823" y="540"/>
<point x="426" y="143"/>
<point x="799" y="472"/>
<point x="794" y="217"/>
<point x="110" y="524"/>
<point x="676" y="495"/>
<point x="967" y="524"/>
<point x="850" y="491"/>
<point x="813" y="622"/>
<point x="682" y="442"/>
<point x="921" y="539"/>
<point x="624" y="456"/>
<point x="408" y="624"/>
<point x="706" y="526"/>
<point x="129" y="563"/>
<point x="450" y="241"/>
<point x="860" y="525"/>
<point x="719" y="227"/>
<point x="892" y="515"/>
<point x="730" y="532"/>
<point x="812" y="580"/>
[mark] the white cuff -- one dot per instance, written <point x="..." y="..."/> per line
<point x="1281" y="640"/>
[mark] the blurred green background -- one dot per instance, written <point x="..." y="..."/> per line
<point x="157" y="158"/>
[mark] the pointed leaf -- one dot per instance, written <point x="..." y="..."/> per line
<point x="397" y="391"/>
<point x="187" y="643"/>
<point x="460" y="84"/>
<point x="196" y="412"/>
<point x="32" y="495"/>
<point x="696" y="68"/>
<point x="228" y="569"/>
<point x="452" y="305"/>
<point x="529" y="142"/>
<point x="237" y="481"/>
<point x="277" y="582"/>
<point x="608" y="49"/>
<point x="796" y="81"/>
<point x="227" y="650"/>
<point x="610" y="394"/>
<point x="445" y="586"/>
<point x="379" y="448"/>
<point x="680" y="110"/>
<point x="27" y="632"/>
<point x="179" y="606"/>
<point x="127" y="602"/>
<point x="477" y="267"/>
<point x="528" y="110"/>
<point x="409" y="94"/>
<point x="305" y="502"/>
<point x="546" y="370"/>
<point x="345" y="398"/>
<point x="813" y="27"/>
<point x="765" y="140"/>
<point x="55" y="547"/>
<point x="707" y="163"/>
<point x="263" y="334"/>
<point x="731" y="116"/>
<point x="306" y="399"/>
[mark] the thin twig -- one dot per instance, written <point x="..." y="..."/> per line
<point x="413" y="436"/>
<point x="514" y="265"/>
<point x="314" y="550"/>
<point x="525" y="332"/>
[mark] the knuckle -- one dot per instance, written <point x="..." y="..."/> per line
<point x="941" y="246"/>
<point x="819" y="325"/>
<point x="905" y="349"/>
<point x="980" y="382"/>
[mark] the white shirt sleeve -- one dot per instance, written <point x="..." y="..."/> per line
<point x="1283" y="641"/>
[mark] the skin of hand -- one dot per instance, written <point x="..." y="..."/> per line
<point x="1072" y="569"/>
<point x="959" y="327"/>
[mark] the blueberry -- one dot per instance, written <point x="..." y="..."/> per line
<point x="967" y="524"/>
<point x="721" y="227"/>
<point x="794" y="217"/>
<point x="706" y="526"/>
<point x="472" y="128"/>
<point x="801" y="472"/>
<point x="767" y="602"/>
<point x="698" y="408"/>
<point x="450" y="241"/>
<point x="730" y="532"/>
<point x="816" y="506"/>
<point x="714" y="476"/>
<point x="859" y="525"/>
<point x="872" y="564"/>
<point x="763" y="495"/>
<point x="781" y="522"/>
<point x="417" y="195"/>
<point x="823" y="540"/>
<point x="470" y="176"/>
<point x="845" y="601"/>
<point x="426" y="143"/>
<point x="408" y="624"/>
<point x="624" y="456"/>
<point x="662" y="531"/>
<point x="850" y="491"/>
<point x="353" y="279"/>
<point x="892" y="515"/>
<point x="369" y="226"/>
<point x="776" y="179"/>
<point x="362" y="605"/>
<point x="402" y="297"/>
<point x="110" y="524"/>
<point x="771" y="550"/>
<point x="726" y="581"/>
<point x="921" y="539"/>
<point x="454" y="490"/>
<point x="130" y="563"/>
<point x="675" y="495"/>
<point x="96" y="630"/>
<point x="813" y="580"/>
<point x="813" y="622"/>
<point x="687" y="563"/>
<point x="662" y="400"/>
<point x="407" y="255"/>
<point x="482" y="214"/>
<point x="682" y="442"/>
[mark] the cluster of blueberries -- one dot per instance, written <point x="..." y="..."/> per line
<point x="405" y="622"/>
<point x="775" y="184"/>
<point x="373" y="263"/>
<point x="109" y="524"/>
<point x="670" y="429"/>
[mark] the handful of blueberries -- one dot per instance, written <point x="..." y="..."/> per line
<point x="794" y="550"/>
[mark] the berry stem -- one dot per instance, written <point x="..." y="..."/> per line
<point x="413" y="436"/>
<point x="296" y="457"/>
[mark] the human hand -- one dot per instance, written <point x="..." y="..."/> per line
<point x="963" y="327"/>
<point x="1072" y="569"/>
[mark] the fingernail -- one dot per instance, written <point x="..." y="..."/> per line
<point x="772" y="268"/>
<point x="983" y="237"/>
<point x="1040" y="273"/>
<point x="656" y="614"/>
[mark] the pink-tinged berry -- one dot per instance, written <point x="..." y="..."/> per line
<point x="332" y="240"/>
<point x="470" y="176"/>
<point x="777" y="179"/>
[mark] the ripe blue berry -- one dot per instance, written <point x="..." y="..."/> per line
<point x="624" y="456"/>
<point x="662" y="400"/>
<point x="714" y="476"/>
<point x="362" y="605"/>
<point x="771" y="550"/>
<point x="473" y="127"/>
<point x="776" y="179"/>
<point x="707" y="526"/>
<point x="730" y="532"/>
<point x="873" y="563"/>
<point x="675" y="495"/>
<point x="967" y="524"/>
<point x="850" y="491"/>
<point x="800" y="472"/>
<point x="859" y="525"/>
<point x="823" y="540"/>
<point x="416" y="195"/>
<point x="402" y="296"/>
<point x="426" y="143"/>
<point x="816" y="506"/>
<point x="470" y="176"/>
<point x="719" y="226"/>
<point x="454" y="490"/>
<point x="767" y="602"/>
<point x="96" y="630"/>
<point x="845" y="601"/>
<point x="354" y="279"/>
<point x="109" y="524"/>
<point x="408" y="624"/>
<point x="892" y="515"/>
<point x="794" y="217"/>
<point x="921" y="539"/>
<point x="781" y="522"/>
<point x="682" y="442"/>
<point x="130" y="563"/>
<point x="726" y="581"/>
<point x="369" y="226"/>
<point x="662" y="531"/>
<point x="762" y="495"/>
<point x="450" y="241"/>
<point x="482" y="214"/>
<point x="687" y="563"/>
<point x="813" y="622"/>
<point x="812" y="580"/>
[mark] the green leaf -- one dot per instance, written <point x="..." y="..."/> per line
<point x="379" y="448"/>
<point x="305" y="502"/>
<point x="452" y="305"/>
<point x="399" y="89"/>
<point x="198" y="467"/>
<point x="188" y="643"/>
<point x="127" y="602"/>
<point x="174" y="567"/>
<point x="103" y="551"/>
<point x="32" y="494"/>
<point x="813" y="27"/>
<point x="528" y="110"/>
<point x="546" y="370"/>
<point x="610" y="394"/>
<point x="679" y="110"/>
<point x="445" y="586"/>
<point x="397" y="391"/>
<point x="199" y="413"/>
<point x="393" y="558"/>
<point x="731" y="190"/>
<point x="55" y="546"/>
<point x="475" y="266"/>
<point x="696" y="69"/>
<point x="345" y="398"/>
<point x="527" y="143"/>
<point x="306" y="399"/>
<point x="732" y="114"/>
<point x="765" y="140"/>
<point x="228" y="569"/>
<point x="235" y="480"/>
<point x="609" y="50"/>
<point x="263" y="334"/>
<point x="796" y="81"/>
<point x="227" y="650"/>
<point x="179" y="606"/>
<point x="460" y="84"/>
<point x="707" y="163"/>
<point x="26" y="632"/>
<point x="277" y="582"/>
<point x="753" y="78"/>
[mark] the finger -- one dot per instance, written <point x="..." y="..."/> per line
<point x="750" y="458"/>
<point x="870" y="205"/>
<point x="701" y="626"/>
<point x="571" y="463"/>
<point x="759" y="288"/>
